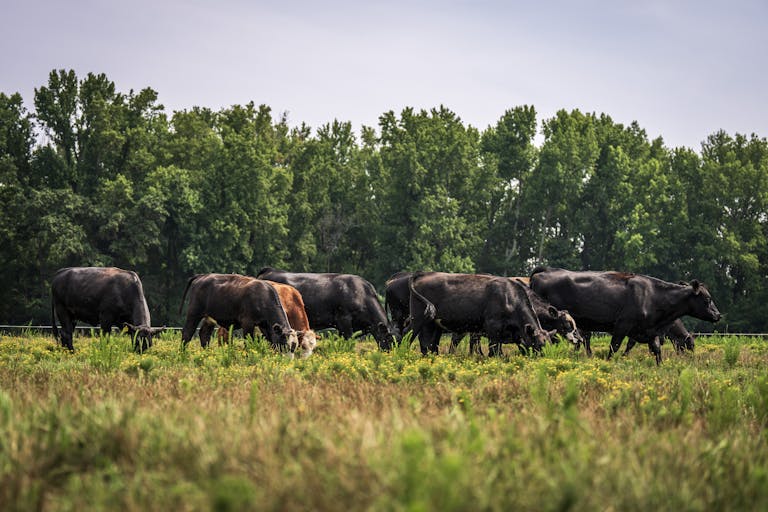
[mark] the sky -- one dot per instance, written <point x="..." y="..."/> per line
<point x="682" y="69"/>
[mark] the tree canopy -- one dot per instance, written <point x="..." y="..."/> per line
<point x="95" y="176"/>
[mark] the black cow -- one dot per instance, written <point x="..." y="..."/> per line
<point x="345" y="302"/>
<point x="623" y="304"/>
<point x="100" y="296"/>
<point x="676" y="332"/>
<point x="241" y="302"/>
<point x="495" y="306"/>
<point x="551" y="319"/>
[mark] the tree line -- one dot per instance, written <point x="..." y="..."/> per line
<point x="95" y="176"/>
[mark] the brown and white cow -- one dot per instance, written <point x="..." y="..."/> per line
<point x="239" y="301"/>
<point x="297" y="317"/>
<point x="345" y="302"/>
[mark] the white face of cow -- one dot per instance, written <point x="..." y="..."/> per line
<point x="292" y="341"/>
<point x="308" y="343"/>
<point x="573" y="335"/>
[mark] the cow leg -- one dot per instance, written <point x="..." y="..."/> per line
<point x="189" y="327"/>
<point x="222" y="336"/>
<point x="655" y="348"/>
<point x="494" y="348"/>
<point x="630" y="344"/>
<point x="616" y="340"/>
<point x="106" y="322"/>
<point x="344" y="326"/>
<point x="429" y="338"/>
<point x="474" y="344"/>
<point x="206" y="331"/>
<point x="249" y="329"/>
<point x="456" y="338"/>
<point x="67" y="329"/>
<point x="587" y="342"/>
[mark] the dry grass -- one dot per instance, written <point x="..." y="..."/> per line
<point x="239" y="428"/>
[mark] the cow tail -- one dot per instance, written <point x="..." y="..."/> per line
<point x="387" y="311"/>
<point x="184" y="295"/>
<point x="54" y="328"/>
<point x="430" y="312"/>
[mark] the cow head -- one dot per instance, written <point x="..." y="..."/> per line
<point x="534" y="337"/>
<point x="285" y="336"/>
<point x="307" y="342"/>
<point x="566" y="327"/>
<point x="689" y="342"/>
<point x="701" y="302"/>
<point x="142" y="335"/>
<point x="686" y="343"/>
<point x="384" y="336"/>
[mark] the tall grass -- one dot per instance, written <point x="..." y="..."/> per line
<point x="241" y="427"/>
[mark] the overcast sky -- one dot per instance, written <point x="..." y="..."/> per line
<point x="682" y="69"/>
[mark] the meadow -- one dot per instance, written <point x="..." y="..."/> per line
<point x="240" y="427"/>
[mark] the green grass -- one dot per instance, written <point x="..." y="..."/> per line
<point x="240" y="427"/>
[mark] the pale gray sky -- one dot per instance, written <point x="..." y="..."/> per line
<point x="682" y="69"/>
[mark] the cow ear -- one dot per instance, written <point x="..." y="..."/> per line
<point x="129" y="328"/>
<point x="277" y="329"/>
<point x="696" y="286"/>
<point x="158" y="330"/>
<point x="553" y="311"/>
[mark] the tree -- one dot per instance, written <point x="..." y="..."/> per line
<point x="509" y="157"/>
<point x="428" y="186"/>
<point x="566" y="162"/>
<point x="734" y="179"/>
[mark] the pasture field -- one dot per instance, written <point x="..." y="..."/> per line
<point x="240" y="427"/>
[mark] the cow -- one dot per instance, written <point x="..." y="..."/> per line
<point x="344" y="302"/>
<point x="297" y="317"/>
<point x="397" y="301"/>
<point x="104" y="296"/>
<point x="239" y="301"/>
<point x="495" y="306"/>
<point x="623" y="304"/>
<point x="676" y="332"/>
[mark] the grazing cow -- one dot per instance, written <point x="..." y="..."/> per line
<point x="681" y="338"/>
<point x="100" y="296"/>
<point x="233" y="300"/>
<point x="623" y="304"/>
<point x="297" y="317"/>
<point x="551" y="319"/>
<point x="495" y="306"/>
<point x="344" y="302"/>
<point x="676" y="332"/>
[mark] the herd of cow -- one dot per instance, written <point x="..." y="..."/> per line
<point x="288" y="307"/>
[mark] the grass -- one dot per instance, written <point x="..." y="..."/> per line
<point x="240" y="427"/>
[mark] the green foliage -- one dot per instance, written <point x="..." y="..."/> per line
<point x="114" y="180"/>
<point x="732" y="351"/>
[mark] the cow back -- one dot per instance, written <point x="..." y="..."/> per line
<point x="293" y="304"/>
<point x="91" y="293"/>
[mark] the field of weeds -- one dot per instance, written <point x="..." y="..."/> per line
<point x="240" y="427"/>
